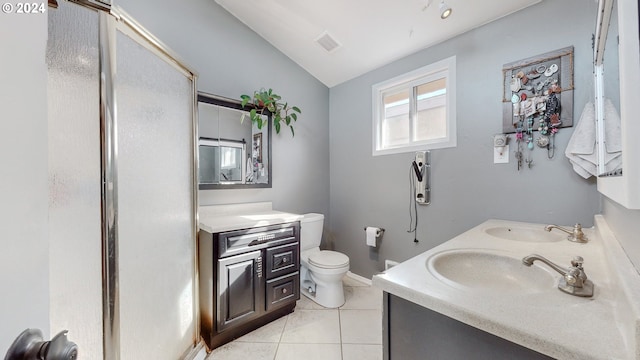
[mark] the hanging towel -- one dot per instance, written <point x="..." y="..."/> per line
<point x="613" y="131"/>
<point x="581" y="149"/>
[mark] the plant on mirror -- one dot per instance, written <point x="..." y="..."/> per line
<point x="281" y="112"/>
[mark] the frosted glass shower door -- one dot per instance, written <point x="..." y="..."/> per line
<point x="74" y="177"/>
<point x="131" y="190"/>
<point x="156" y="217"/>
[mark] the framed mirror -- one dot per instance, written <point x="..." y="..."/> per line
<point x="233" y="152"/>
<point x="620" y="53"/>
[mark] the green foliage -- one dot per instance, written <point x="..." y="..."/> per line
<point x="266" y="100"/>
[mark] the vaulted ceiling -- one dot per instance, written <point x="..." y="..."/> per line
<point x="361" y="35"/>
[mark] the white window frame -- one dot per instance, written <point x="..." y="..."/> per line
<point x="442" y="69"/>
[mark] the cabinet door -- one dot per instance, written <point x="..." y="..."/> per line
<point x="240" y="289"/>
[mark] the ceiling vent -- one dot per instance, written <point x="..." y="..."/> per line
<point x="327" y="42"/>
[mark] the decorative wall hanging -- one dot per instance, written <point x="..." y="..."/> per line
<point x="538" y="96"/>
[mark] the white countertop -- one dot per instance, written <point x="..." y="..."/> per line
<point x="219" y="218"/>
<point x="554" y="323"/>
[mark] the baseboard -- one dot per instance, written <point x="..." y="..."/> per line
<point x="198" y="352"/>
<point x="357" y="277"/>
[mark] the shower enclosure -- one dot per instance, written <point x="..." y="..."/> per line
<point x="123" y="187"/>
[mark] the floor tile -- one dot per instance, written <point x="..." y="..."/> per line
<point x="349" y="281"/>
<point x="270" y="333"/>
<point x="312" y="327"/>
<point x="307" y="304"/>
<point x="363" y="298"/>
<point x="361" y="326"/>
<point x="361" y="352"/>
<point x="243" y="350"/>
<point x="353" y="332"/>
<point x="310" y="352"/>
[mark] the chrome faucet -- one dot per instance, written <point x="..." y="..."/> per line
<point x="573" y="281"/>
<point x="575" y="235"/>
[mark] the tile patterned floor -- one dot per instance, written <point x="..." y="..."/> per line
<point x="352" y="332"/>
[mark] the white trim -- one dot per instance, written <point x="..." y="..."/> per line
<point x="198" y="352"/>
<point x="359" y="278"/>
<point x="424" y="71"/>
<point x="408" y="81"/>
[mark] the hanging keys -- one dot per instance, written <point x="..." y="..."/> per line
<point x="519" y="158"/>
<point x="518" y="152"/>
<point x="529" y="162"/>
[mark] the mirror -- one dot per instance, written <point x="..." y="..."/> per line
<point x="233" y="152"/>
<point x="607" y="89"/>
<point x="622" y="188"/>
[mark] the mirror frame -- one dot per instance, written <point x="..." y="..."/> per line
<point x="624" y="189"/>
<point x="211" y="99"/>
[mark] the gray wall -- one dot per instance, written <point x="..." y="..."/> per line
<point x="232" y="60"/>
<point x="467" y="188"/>
<point x="24" y="258"/>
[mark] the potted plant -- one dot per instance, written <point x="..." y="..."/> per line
<point x="266" y="100"/>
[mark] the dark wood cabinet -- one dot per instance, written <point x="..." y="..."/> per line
<point x="411" y="331"/>
<point x="248" y="278"/>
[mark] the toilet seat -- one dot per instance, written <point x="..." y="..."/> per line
<point x="327" y="259"/>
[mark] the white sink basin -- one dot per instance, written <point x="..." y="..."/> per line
<point x="516" y="233"/>
<point x="483" y="270"/>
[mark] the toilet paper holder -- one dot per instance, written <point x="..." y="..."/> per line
<point x="378" y="234"/>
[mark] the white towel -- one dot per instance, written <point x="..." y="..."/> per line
<point x="581" y="149"/>
<point x="613" y="131"/>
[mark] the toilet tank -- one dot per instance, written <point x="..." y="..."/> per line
<point x="311" y="230"/>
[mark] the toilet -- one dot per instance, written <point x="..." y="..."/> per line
<point x="321" y="271"/>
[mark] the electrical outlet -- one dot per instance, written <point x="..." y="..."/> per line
<point x="501" y="154"/>
<point x="388" y="264"/>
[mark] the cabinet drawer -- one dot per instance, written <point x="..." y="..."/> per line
<point x="240" y="241"/>
<point x="282" y="260"/>
<point x="283" y="290"/>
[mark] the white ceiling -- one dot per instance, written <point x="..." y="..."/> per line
<point x="371" y="33"/>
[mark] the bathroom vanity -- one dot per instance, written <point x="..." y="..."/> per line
<point x="249" y="262"/>
<point x="414" y="331"/>
<point x="472" y="297"/>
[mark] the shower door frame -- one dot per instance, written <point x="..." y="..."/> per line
<point x="112" y="19"/>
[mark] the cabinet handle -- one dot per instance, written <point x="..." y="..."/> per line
<point x="284" y="259"/>
<point x="284" y="291"/>
<point x="259" y="266"/>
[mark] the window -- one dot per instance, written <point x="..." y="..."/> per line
<point x="416" y="111"/>
<point x="221" y="161"/>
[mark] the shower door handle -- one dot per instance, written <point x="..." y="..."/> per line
<point x="29" y="345"/>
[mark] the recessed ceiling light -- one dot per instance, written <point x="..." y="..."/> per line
<point x="445" y="10"/>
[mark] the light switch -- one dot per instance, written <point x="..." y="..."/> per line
<point x="501" y="154"/>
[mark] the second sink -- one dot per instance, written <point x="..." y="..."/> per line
<point x="517" y="233"/>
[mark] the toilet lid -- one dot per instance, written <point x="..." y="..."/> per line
<point x="328" y="259"/>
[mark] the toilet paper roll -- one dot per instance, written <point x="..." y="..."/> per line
<point x="372" y="234"/>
